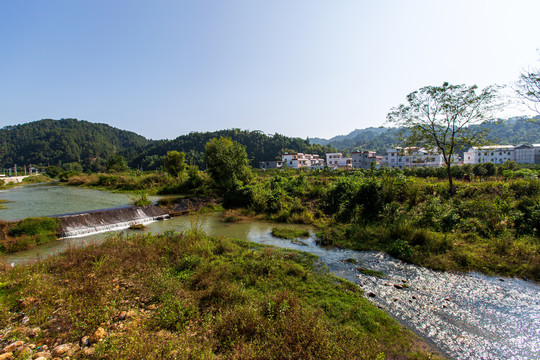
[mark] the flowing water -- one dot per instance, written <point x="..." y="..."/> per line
<point x="465" y="316"/>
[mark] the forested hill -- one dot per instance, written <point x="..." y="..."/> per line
<point x="57" y="142"/>
<point x="513" y="131"/>
<point x="259" y="147"/>
<point x="68" y="141"/>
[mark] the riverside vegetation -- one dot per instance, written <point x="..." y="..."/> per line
<point x="190" y="296"/>
<point x="490" y="225"/>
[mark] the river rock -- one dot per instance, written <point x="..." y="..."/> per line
<point x="97" y="335"/>
<point x="397" y="286"/>
<point x="89" y="351"/>
<point x="43" y="355"/>
<point x="371" y="294"/>
<point x="24" y="352"/>
<point x="33" y="332"/>
<point x="13" y="346"/>
<point x="61" y="350"/>
<point x="73" y="350"/>
<point x="7" y="356"/>
<point x="121" y="316"/>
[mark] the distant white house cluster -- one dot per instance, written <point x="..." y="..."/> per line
<point x="399" y="157"/>
<point x="498" y="154"/>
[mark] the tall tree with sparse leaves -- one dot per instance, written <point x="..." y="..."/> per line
<point x="528" y="88"/>
<point x="438" y="118"/>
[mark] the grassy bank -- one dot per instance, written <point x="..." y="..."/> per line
<point x="190" y="183"/>
<point x="26" y="234"/>
<point x="181" y="296"/>
<point x="490" y="225"/>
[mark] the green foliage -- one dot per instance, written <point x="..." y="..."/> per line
<point x="28" y="233"/>
<point x="438" y="118"/>
<point x="116" y="163"/>
<point x="64" y="141"/>
<point x="174" y="162"/>
<point x="227" y="163"/>
<point x="141" y="200"/>
<point x="54" y="171"/>
<point x="34" y="226"/>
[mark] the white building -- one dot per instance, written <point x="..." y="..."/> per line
<point x="415" y="157"/>
<point x="496" y="154"/>
<point x="301" y="160"/>
<point x="337" y="160"/>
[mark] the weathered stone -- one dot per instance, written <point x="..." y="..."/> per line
<point x="24" y="351"/>
<point x="74" y="350"/>
<point x="33" y="332"/>
<point x="41" y="358"/>
<point x="7" y="356"/>
<point x="371" y="294"/>
<point x="397" y="286"/>
<point x="89" y="351"/>
<point x="61" y="350"/>
<point x="97" y="335"/>
<point x="13" y="346"/>
<point x="43" y="355"/>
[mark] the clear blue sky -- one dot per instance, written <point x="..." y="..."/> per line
<point x="300" y="68"/>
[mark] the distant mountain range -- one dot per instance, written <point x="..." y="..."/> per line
<point x="73" y="143"/>
<point x="512" y="131"/>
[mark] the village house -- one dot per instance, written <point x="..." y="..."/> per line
<point x="364" y="159"/>
<point x="498" y="154"/>
<point x="399" y="157"/>
<point x="295" y="161"/>
<point x="338" y="161"/>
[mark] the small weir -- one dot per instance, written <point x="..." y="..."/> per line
<point x="97" y="221"/>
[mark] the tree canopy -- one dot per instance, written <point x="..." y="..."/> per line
<point x="227" y="163"/>
<point x="174" y="162"/>
<point x="439" y="118"/>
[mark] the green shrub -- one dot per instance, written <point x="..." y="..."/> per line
<point x="34" y="226"/>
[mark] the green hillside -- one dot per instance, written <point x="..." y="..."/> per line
<point x="66" y="141"/>
<point x="57" y="142"/>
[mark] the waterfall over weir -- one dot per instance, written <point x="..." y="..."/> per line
<point x="96" y="221"/>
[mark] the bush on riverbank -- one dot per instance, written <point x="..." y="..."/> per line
<point x="192" y="182"/>
<point x="499" y="214"/>
<point x="27" y="233"/>
<point x="192" y="296"/>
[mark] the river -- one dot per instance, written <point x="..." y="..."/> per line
<point x="465" y="316"/>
